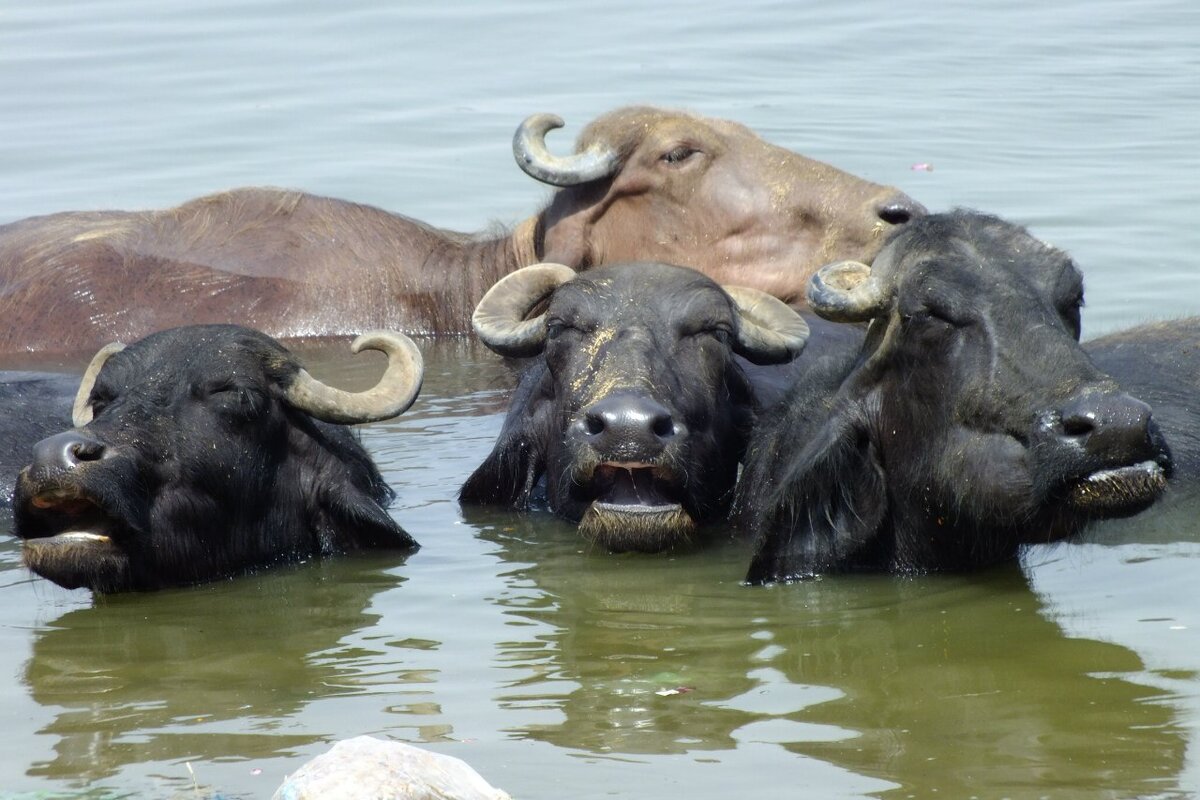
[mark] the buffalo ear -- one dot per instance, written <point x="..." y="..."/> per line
<point x="828" y="505"/>
<point x="349" y="520"/>
<point x="567" y="225"/>
<point x="343" y="495"/>
<point x="508" y="475"/>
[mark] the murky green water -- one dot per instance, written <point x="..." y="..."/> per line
<point x="560" y="671"/>
<point x="554" y="670"/>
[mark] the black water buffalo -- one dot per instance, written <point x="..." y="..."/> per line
<point x="203" y="452"/>
<point x="635" y="411"/>
<point x="970" y="422"/>
<point x="646" y="184"/>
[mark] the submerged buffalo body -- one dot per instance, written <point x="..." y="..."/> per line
<point x="35" y="405"/>
<point x="646" y="184"/>
<point x="203" y="452"/>
<point x="971" y="421"/>
<point x="633" y="417"/>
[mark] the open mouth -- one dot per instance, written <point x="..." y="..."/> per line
<point x="634" y="488"/>
<point x="68" y="538"/>
<point x="636" y="506"/>
<point x="1119" y="491"/>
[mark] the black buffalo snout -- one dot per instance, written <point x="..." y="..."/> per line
<point x="627" y="426"/>
<point x="1110" y="426"/>
<point x="64" y="452"/>
<point x="899" y="209"/>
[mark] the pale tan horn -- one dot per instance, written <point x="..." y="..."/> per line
<point x="846" y="291"/>
<point x="389" y="398"/>
<point x="499" y="319"/>
<point x="769" y="330"/>
<point x="532" y="155"/>
<point x="81" y="410"/>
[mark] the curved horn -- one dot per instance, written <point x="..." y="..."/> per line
<point x="499" y="319"/>
<point x="846" y="291"/>
<point x="769" y="330"/>
<point x="529" y="148"/>
<point x="389" y="398"/>
<point x="81" y="410"/>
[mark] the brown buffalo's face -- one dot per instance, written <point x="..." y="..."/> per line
<point x="712" y="195"/>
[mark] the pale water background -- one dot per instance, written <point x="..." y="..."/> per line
<point x="504" y="641"/>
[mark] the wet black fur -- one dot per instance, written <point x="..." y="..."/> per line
<point x="35" y="405"/>
<point x="209" y="472"/>
<point x="687" y="357"/>
<point x="934" y="449"/>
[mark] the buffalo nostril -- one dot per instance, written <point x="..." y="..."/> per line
<point x="87" y="450"/>
<point x="66" y="451"/>
<point x="663" y="426"/>
<point x="1111" y="426"/>
<point x="593" y="424"/>
<point x="1078" y="425"/>
<point x="627" y="426"/>
<point x="899" y="210"/>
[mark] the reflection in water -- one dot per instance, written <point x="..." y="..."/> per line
<point x="940" y="685"/>
<point x="213" y="672"/>
<point x="624" y="628"/>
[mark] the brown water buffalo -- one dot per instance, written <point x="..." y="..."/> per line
<point x="646" y="184"/>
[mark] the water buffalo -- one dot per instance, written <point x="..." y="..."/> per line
<point x="635" y="411"/>
<point x="970" y="422"/>
<point x="646" y="184"/>
<point x="207" y="451"/>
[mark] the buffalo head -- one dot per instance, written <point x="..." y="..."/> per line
<point x="205" y="451"/>
<point x="635" y="411"/>
<point x="972" y="421"/>
<point x="659" y="185"/>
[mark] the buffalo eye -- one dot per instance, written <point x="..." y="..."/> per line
<point x="720" y="331"/>
<point x="678" y="154"/>
<point x="554" y="328"/>
<point x="99" y="401"/>
<point x="236" y="400"/>
<point x="1071" y="312"/>
<point x="721" y="334"/>
<point x="939" y="313"/>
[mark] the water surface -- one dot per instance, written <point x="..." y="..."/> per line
<point x="505" y="640"/>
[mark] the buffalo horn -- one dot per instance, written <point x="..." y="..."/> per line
<point x="529" y="148"/>
<point x="769" y="330"/>
<point x="81" y="410"/>
<point x="846" y="291"/>
<point x="390" y="397"/>
<point x="499" y="319"/>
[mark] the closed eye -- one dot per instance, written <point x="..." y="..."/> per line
<point x="99" y="402"/>
<point x="678" y="154"/>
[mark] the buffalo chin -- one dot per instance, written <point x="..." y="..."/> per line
<point x="78" y="560"/>
<point x="635" y="508"/>
<point x="1118" y="492"/>
<point x="642" y="528"/>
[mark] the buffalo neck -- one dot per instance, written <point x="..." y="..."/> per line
<point x="447" y="282"/>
